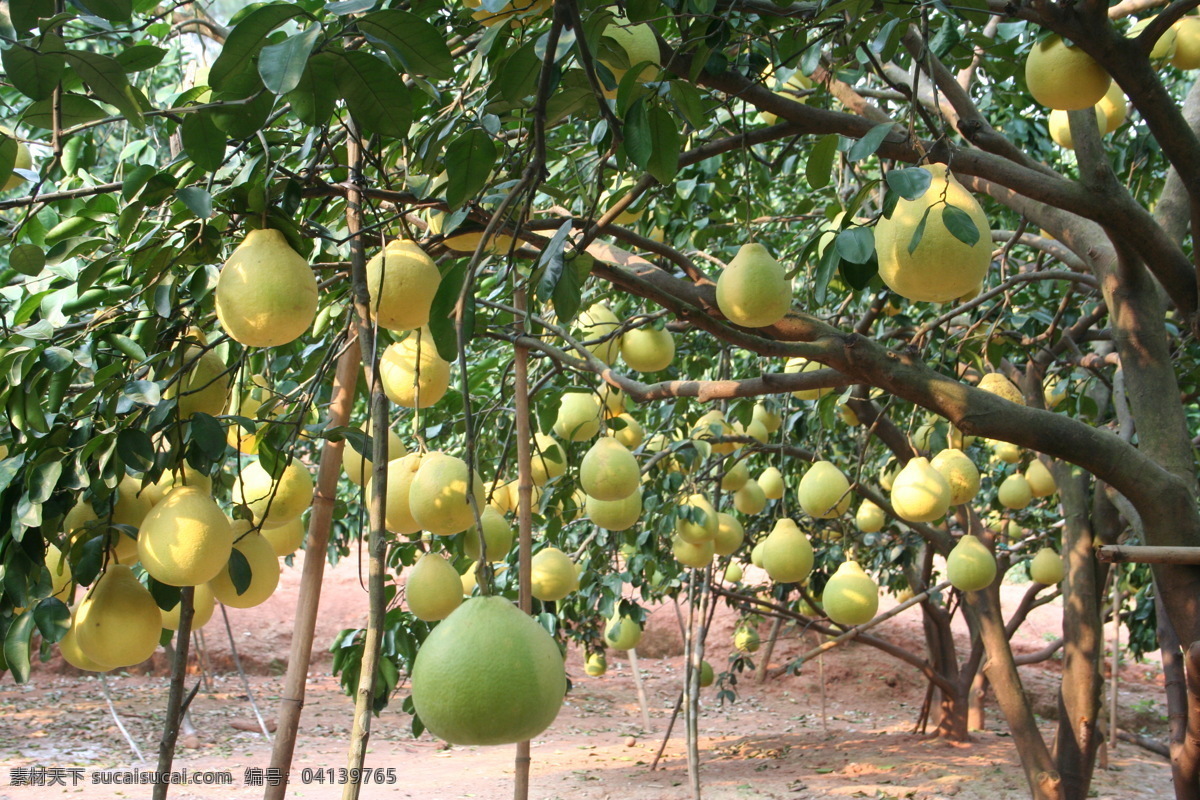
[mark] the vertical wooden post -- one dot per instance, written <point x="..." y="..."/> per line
<point x="524" y="514"/>
<point x="166" y="746"/>
<point x="1116" y="657"/>
<point x="291" y="703"/>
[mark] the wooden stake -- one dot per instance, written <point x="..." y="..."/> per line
<point x="1121" y="553"/>
<point x="291" y="703"/>
<point x="524" y="515"/>
<point x="641" y="688"/>
<point x="1116" y="656"/>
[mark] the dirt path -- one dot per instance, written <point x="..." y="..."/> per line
<point x="773" y="743"/>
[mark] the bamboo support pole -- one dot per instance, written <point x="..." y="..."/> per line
<point x="524" y="516"/>
<point x="1122" y="553"/>
<point x="291" y="702"/>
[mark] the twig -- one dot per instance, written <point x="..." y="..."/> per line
<point x="667" y="735"/>
<point x="112" y="709"/>
<point x="237" y="662"/>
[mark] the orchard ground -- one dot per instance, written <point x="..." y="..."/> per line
<point x="772" y="743"/>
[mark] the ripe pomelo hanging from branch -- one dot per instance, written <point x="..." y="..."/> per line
<point x="754" y="291"/>
<point x="438" y="494"/>
<point x="851" y="597"/>
<point x="402" y="281"/>
<point x="953" y="247"/>
<point x="266" y="294"/>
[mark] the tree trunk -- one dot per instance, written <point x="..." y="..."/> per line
<point x="977" y="711"/>
<point x="1175" y="677"/>
<point x="1079" y="694"/>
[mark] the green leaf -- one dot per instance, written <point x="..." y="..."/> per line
<point x="960" y="224"/>
<point x="42" y="480"/>
<point x="239" y="571"/>
<point x="568" y="291"/>
<point x="281" y="65"/>
<point x="664" y="138"/>
<point x="198" y="200"/>
<point x="229" y="71"/>
<point x="909" y="183"/>
<point x="919" y="232"/>
<point x="517" y="77"/>
<point x="34" y="74"/>
<point x="140" y="57"/>
<point x="687" y="98"/>
<point x="135" y="449"/>
<point x="209" y="434"/>
<point x="825" y="269"/>
<point x="57" y="359"/>
<point x="27" y="259"/>
<point x="204" y="144"/>
<point x="76" y="110"/>
<point x="469" y="162"/>
<point x="106" y="78"/>
<point x="314" y="97"/>
<point x="53" y="618"/>
<point x="856" y="244"/>
<point x="869" y="143"/>
<point x="111" y="10"/>
<point x="26" y="13"/>
<point x="419" y="45"/>
<point x="441" y="314"/>
<point x="639" y="141"/>
<point x="551" y="262"/>
<point x="16" y="646"/>
<point x="818" y="169"/>
<point x="376" y="96"/>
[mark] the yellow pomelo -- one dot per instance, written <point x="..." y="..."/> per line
<point x="771" y="420"/>
<point x="787" y="555"/>
<point x="80" y="515"/>
<point x="804" y="365"/>
<point x="499" y="498"/>
<point x="548" y="459"/>
<point x="647" y="350"/>
<point x="750" y="499"/>
<point x="639" y="43"/>
<point x="824" y="492"/>
<point x="613" y="400"/>
<point x="615" y="515"/>
<point x="412" y="372"/>
<point x="1007" y="452"/>
<point x="402" y="281"/>
<point x="1001" y="386"/>
<point x="698" y="554"/>
<point x="851" y="597"/>
<point x="706" y="674"/>
<point x="712" y="424"/>
<point x="239" y="438"/>
<point x="628" y="431"/>
<point x="869" y="518"/>
<point x="848" y="416"/>
<point x="60" y="574"/>
<point x="264" y="573"/>
<point x="609" y="471"/>
<point x="735" y="477"/>
<point x="266" y="294"/>
<point x="970" y="565"/>
<point x="733" y="573"/>
<point x="578" y="416"/>
<point x="1014" y="492"/>
<point x="1047" y="567"/>
<point x="200" y="384"/>
<point x="1115" y="108"/>
<point x="697" y="520"/>
<point x="23" y="160"/>
<point x="286" y="538"/>
<point x="187" y="476"/>
<point x="746" y="640"/>
<point x="771" y="482"/>
<point x="1164" y="47"/>
<point x="887" y="475"/>
<point x="920" y="493"/>
<point x="68" y="646"/>
<point x="794" y="89"/>
<point x="274" y="502"/>
<point x="1064" y="77"/>
<point x="754" y="291"/>
<point x="497" y="535"/>
<point x="358" y="466"/>
<point x="941" y="267"/>
<point x="552" y="575"/>
<point x="756" y="552"/>
<point x="185" y="540"/>
<point x="597" y="327"/>
<point x="397" y="513"/>
<point x="960" y="473"/>
<point x="203" y="605"/>
<point x="1053" y="393"/>
<point x="1041" y="482"/>
<point x="516" y="12"/>
<point x="488" y="674"/>
<point x="730" y="535"/>
<point x="755" y="430"/>
<point x="438" y="498"/>
<point x="1060" y="127"/>
<point x="118" y="623"/>
<point x="596" y="665"/>
<point x="1187" y="44"/>
<point x="432" y="588"/>
<point x="622" y="633"/>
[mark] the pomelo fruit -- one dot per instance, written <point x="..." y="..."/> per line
<point x="118" y="623"/>
<point x="960" y="473"/>
<point x="697" y="520"/>
<point x="970" y="565"/>
<point x="186" y="539"/>
<point x="402" y="280"/>
<point x="753" y="290"/>
<point x="615" y="515"/>
<point x="851" y="597"/>
<point x="1064" y="77"/>
<point x="412" y="372"/>
<point x="266" y="293"/>
<point x="920" y="493"/>
<point x="438" y="498"/>
<point x="609" y="471"/>
<point x="552" y="575"/>
<point x="432" y="588"/>
<point x="622" y="633"/>
<point x="750" y="499"/>
<point x="264" y="573"/>
<point x="1047" y="567"/>
<point x="578" y="416"/>
<point x="647" y="349"/>
<point x="824" y="492"/>
<point x="274" y="502"/>
<point x="203" y="605"/>
<point x="787" y="555"/>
